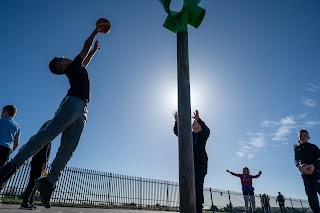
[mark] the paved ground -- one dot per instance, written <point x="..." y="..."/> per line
<point x="9" y="208"/>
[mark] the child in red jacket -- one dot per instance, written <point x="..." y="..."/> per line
<point x="247" y="189"/>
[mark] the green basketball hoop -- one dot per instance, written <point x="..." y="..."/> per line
<point x="190" y="14"/>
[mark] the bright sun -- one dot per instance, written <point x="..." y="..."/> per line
<point x="170" y="97"/>
<point x="165" y="94"/>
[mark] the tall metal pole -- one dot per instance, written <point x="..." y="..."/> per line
<point x="177" y="22"/>
<point x="186" y="164"/>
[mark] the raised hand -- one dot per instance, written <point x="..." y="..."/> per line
<point x="196" y="115"/>
<point x="175" y="115"/>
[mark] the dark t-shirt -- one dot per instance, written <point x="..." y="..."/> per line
<point x="280" y="199"/>
<point x="78" y="79"/>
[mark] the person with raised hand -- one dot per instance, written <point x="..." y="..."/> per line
<point x="69" y="119"/>
<point x="247" y="188"/>
<point x="200" y="135"/>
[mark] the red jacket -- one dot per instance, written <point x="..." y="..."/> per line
<point x="246" y="180"/>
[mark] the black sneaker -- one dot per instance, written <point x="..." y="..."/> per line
<point x="45" y="188"/>
<point x="6" y="172"/>
<point x="33" y="206"/>
<point x="26" y="206"/>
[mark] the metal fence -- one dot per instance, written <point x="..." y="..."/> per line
<point x="83" y="186"/>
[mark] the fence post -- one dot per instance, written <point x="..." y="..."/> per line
<point x="230" y="201"/>
<point x="211" y="200"/>
<point x="262" y="206"/>
<point x="302" y="206"/>
<point x="167" y="203"/>
<point x="109" y="188"/>
<point x="291" y="205"/>
<point x="140" y="193"/>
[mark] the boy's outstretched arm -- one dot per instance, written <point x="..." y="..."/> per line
<point x="88" y="43"/>
<point x="88" y="58"/>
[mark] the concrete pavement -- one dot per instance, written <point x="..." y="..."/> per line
<point x="10" y="208"/>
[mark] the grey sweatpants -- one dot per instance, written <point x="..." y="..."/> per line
<point x="69" y="119"/>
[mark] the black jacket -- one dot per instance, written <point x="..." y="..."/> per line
<point x="306" y="153"/>
<point x="200" y="140"/>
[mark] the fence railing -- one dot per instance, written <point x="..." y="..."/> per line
<point x="84" y="186"/>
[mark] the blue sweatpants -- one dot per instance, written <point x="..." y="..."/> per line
<point x="69" y="119"/>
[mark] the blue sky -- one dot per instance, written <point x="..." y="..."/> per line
<point x="254" y="69"/>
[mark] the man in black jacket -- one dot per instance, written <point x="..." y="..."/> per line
<point x="306" y="154"/>
<point x="200" y="134"/>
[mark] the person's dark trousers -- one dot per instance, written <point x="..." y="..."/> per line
<point x="282" y="208"/>
<point x="4" y="154"/>
<point x="34" y="174"/>
<point x="312" y="187"/>
<point x="200" y="173"/>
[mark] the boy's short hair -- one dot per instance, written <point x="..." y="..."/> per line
<point x="303" y="130"/>
<point x="11" y="109"/>
<point x="53" y="66"/>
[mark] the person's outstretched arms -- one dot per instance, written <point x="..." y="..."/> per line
<point x="88" y="43"/>
<point x="175" y="128"/>
<point x="88" y="58"/>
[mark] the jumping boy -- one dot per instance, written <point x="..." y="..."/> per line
<point x="69" y="119"/>
<point x="306" y="154"/>
<point x="9" y="133"/>
<point x="200" y="134"/>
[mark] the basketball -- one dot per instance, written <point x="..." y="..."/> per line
<point x="310" y="169"/>
<point x="307" y="169"/>
<point x="103" y="25"/>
